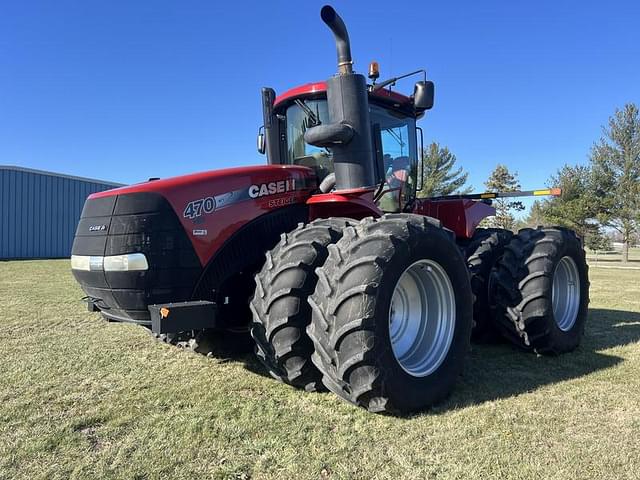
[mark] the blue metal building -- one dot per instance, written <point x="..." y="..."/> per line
<point x="39" y="211"/>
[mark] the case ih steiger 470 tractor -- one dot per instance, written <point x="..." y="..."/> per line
<point x="343" y="277"/>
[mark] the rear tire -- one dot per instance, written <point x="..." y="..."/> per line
<point x="541" y="290"/>
<point x="482" y="253"/>
<point x="367" y="284"/>
<point x="280" y="309"/>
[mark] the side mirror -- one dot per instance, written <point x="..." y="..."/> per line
<point x="260" y="141"/>
<point x="423" y="94"/>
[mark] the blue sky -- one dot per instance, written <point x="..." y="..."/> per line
<point x="124" y="90"/>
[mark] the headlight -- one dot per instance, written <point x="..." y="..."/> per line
<point x="125" y="263"/>
<point x="80" y="262"/>
<point x="114" y="263"/>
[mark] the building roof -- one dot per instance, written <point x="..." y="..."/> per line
<point x="59" y="175"/>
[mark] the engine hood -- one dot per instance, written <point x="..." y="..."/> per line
<point x="212" y="206"/>
<point x="237" y="176"/>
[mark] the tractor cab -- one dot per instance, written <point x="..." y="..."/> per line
<point x="397" y="142"/>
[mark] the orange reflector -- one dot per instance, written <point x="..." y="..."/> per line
<point x="548" y="191"/>
<point x="487" y="195"/>
<point x="164" y="312"/>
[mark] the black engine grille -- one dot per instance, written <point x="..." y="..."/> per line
<point x="137" y="222"/>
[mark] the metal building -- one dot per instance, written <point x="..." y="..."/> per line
<point x="39" y="211"/>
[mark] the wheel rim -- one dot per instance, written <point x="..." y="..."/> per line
<point x="565" y="295"/>
<point x="422" y="318"/>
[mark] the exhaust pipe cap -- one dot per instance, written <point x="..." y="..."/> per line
<point x="343" y="46"/>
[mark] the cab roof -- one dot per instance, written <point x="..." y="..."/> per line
<point x="383" y="95"/>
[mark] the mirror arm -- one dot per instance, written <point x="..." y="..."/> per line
<point x="392" y="81"/>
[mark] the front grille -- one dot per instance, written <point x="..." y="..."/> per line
<point x="137" y="222"/>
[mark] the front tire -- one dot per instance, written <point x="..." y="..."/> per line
<point x="280" y="309"/>
<point x="378" y="343"/>
<point x="541" y="290"/>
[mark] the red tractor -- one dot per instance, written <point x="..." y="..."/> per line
<point x="344" y="278"/>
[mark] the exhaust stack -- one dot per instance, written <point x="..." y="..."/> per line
<point x="343" y="46"/>
<point x="348" y="133"/>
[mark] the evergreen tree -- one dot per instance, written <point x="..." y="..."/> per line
<point x="439" y="173"/>
<point x="615" y="161"/>
<point x="501" y="180"/>
<point x="535" y="217"/>
<point x="577" y="207"/>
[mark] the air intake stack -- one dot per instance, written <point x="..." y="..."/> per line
<point x="348" y="133"/>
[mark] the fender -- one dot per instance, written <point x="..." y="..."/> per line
<point x="227" y="278"/>
<point x="460" y="215"/>
<point x="356" y="204"/>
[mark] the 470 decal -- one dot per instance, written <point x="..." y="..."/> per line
<point x="195" y="208"/>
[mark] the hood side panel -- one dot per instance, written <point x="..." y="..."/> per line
<point x="211" y="206"/>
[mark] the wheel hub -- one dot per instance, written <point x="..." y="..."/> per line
<point x="422" y="318"/>
<point x="565" y="294"/>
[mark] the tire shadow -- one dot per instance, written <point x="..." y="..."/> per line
<point x="224" y="347"/>
<point x="499" y="371"/>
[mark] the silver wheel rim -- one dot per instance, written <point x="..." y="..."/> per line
<point x="422" y="318"/>
<point x="565" y="295"/>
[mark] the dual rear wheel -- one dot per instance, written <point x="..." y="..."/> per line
<point x="540" y="290"/>
<point x="531" y="288"/>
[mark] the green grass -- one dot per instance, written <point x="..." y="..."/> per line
<point x="83" y="398"/>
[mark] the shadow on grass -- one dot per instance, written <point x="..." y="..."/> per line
<point x="493" y="372"/>
<point x="226" y="347"/>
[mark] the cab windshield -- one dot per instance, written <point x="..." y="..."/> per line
<point x="299" y="152"/>
<point x="395" y="134"/>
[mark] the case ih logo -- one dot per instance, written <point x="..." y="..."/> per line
<point x="97" y="228"/>
<point x="201" y="206"/>
<point x="271" y="188"/>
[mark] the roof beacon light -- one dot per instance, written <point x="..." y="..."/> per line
<point x="374" y="71"/>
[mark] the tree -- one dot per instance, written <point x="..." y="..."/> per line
<point x="578" y="206"/>
<point x="439" y="173"/>
<point x="535" y="217"/>
<point x="615" y="161"/>
<point x="501" y="180"/>
<point x="597" y="240"/>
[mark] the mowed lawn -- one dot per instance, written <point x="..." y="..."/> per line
<point x="83" y="398"/>
<point x="614" y="258"/>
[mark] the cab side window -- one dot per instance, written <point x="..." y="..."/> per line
<point x="396" y="153"/>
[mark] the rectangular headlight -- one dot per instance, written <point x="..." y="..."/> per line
<point x="126" y="263"/>
<point x="80" y="262"/>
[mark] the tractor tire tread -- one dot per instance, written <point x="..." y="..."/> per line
<point x="345" y="347"/>
<point x="281" y="312"/>
<point x="521" y="286"/>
